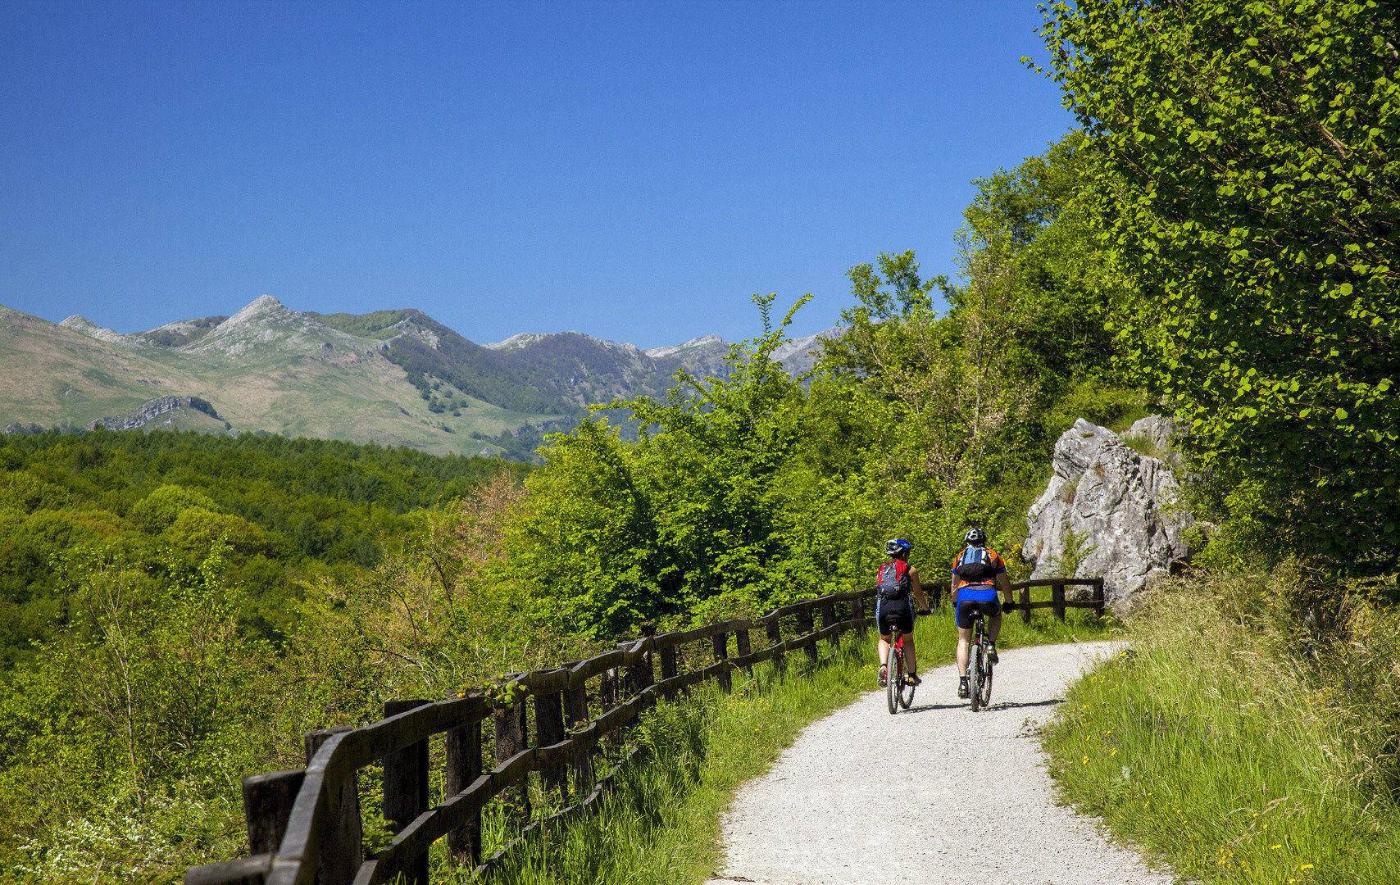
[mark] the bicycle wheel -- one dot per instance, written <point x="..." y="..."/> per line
<point x="974" y="677"/>
<point x="893" y="678"/>
<point x="906" y="695"/>
<point x="987" y="682"/>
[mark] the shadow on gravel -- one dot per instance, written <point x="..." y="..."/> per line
<point x="1004" y="705"/>
<point x="1013" y="705"/>
<point x="924" y="708"/>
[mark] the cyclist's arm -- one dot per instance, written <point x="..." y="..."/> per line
<point x="1003" y="582"/>
<point x="920" y="597"/>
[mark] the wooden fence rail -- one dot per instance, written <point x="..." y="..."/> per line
<point x="305" y="826"/>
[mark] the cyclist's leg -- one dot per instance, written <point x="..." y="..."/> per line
<point x="964" y="625"/>
<point x="882" y="645"/>
<point x="964" y="649"/>
<point x="911" y="663"/>
<point x="994" y="627"/>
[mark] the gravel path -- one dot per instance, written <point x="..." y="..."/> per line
<point x="821" y="814"/>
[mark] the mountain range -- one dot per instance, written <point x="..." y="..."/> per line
<point x="393" y="377"/>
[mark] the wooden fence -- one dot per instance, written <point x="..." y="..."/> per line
<point x="305" y="826"/>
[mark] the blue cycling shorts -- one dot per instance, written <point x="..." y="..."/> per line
<point x="984" y="596"/>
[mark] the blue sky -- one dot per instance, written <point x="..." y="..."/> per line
<point x="635" y="171"/>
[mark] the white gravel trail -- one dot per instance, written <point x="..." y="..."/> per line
<point x="976" y="801"/>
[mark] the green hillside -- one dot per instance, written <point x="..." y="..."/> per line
<point x="273" y="374"/>
<point x="391" y="377"/>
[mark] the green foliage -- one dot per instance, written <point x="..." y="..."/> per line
<point x="289" y="510"/>
<point x="1093" y="400"/>
<point x="754" y="488"/>
<point x="1236" y="746"/>
<point x="151" y="682"/>
<point x="158" y="510"/>
<point x="1243" y="170"/>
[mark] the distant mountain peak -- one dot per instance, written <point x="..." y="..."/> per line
<point x="518" y="340"/>
<point x="262" y="306"/>
<point x="85" y="326"/>
<point x="694" y="343"/>
<point x="524" y="340"/>
<point x="266" y="324"/>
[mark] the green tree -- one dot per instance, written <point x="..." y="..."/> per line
<point x="1244" y="170"/>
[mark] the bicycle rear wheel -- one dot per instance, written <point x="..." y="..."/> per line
<point x="974" y="677"/>
<point x="987" y="681"/>
<point x="906" y="696"/>
<point x="894" y="677"/>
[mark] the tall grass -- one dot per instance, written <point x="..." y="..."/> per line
<point x="1240" y="742"/>
<point x="662" y="825"/>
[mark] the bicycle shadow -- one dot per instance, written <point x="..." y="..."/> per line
<point x="1004" y="705"/>
<point x="1017" y="705"/>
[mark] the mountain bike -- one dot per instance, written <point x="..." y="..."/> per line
<point x="979" y="666"/>
<point x="898" y="694"/>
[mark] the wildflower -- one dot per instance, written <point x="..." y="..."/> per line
<point x="1275" y="847"/>
<point x="1306" y="866"/>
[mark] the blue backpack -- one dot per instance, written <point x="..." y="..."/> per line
<point x="975" y="565"/>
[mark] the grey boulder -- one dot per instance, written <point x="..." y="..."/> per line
<point x="1109" y="511"/>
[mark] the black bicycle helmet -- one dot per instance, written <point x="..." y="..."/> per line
<point x="897" y="546"/>
<point x="975" y="537"/>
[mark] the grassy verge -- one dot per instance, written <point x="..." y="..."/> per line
<point x="1218" y="747"/>
<point x="663" y="824"/>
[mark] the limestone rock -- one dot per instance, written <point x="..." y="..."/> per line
<point x="1109" y="510"/>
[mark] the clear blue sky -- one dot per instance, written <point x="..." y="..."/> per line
<point x="634" y="171"/>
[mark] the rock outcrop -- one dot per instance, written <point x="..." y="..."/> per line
<point x="1109" y="510"/>
<point x="153" y="410"/>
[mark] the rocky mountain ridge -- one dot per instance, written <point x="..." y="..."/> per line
<point x="273" y="368"/>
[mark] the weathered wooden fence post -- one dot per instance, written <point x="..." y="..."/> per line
<point x="576" y="711"/>
<point x="1026" y="604"/>
<point x="341" y="847"/>
<point x="1098" y="597"/>
<point x="267" y="803"/>
<point x="805" y="627"/>
<point x="406" y="788"/>
<point x="463" y="745"/>
<point x="743" y="647"/>
<point x="670" y="662"/>
<point x="858" y="613"/>
<point x="509" y="723"/>
<point x="607" y="699"/>
<point x="641" y="674"/>
<point x="549" y="729"/>
<point x="829" y="620"/>
<point x="774" y="631"/>
<point x="720" y="643"/>
<point x="1057" y="598"/>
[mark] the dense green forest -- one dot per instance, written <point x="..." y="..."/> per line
<point x="288" y="511"/>
<point x="1214" y="242"/>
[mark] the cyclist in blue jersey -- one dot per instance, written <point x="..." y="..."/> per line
<point x="978" y="573"/>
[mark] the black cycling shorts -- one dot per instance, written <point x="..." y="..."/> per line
<point x="892" y="614"/>
<point x="974" y="599"/>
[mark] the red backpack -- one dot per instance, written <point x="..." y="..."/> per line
<point x="892" y="580"/>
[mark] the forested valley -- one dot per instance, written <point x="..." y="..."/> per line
<point x="180" y="608"/>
